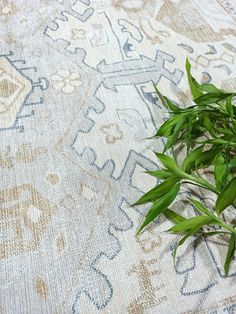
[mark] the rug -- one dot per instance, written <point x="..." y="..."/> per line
<point x="76" y="106"/>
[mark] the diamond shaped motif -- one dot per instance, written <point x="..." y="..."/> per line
<point x="14" y="88"/>
<point x="7" y="88"/>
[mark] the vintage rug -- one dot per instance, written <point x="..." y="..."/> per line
<point x="76" y="103"/>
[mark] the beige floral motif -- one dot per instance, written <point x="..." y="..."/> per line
<point x="7" y="10"/>
<point x="26" y="153"/>
<point x="112" y="131"/>
<point x="78" y="33"/>
<point x="53" y="178"/>
<point x="66" y="81"/>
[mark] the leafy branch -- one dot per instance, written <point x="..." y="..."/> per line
<point x="207" y="130"/>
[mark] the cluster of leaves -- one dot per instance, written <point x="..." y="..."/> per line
<point x="207" y="130"/>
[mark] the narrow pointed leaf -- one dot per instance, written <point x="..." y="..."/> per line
<point x="227" y="196"/>
<point x="171" y="105"/>
<point x="206" y="158"/>
<point x="160" y="206"/>
<point x="200" y="207"/>
<point x="159" y="174"/>
<point x="157" y="191"/>
<point x="170" y="164"/>
<point x="173" y="216"/>
<point x="196" y="92"/>
<point x="210" y="88"/>
<point x="220" y="171"/>
<point x="225" y="131"/>
<point x="160" y="96"/>
<point x="209" y="125"/>
<point x="173" y="139"/>
<point x="210" y="98"/>
<point x="232" y="163"/>
<point x="229" y="106"/>
<point x="189" y="161"/>
<point x="230" y="254"/>
<point x="167" y="127"/>
<point x="191" y="223"/>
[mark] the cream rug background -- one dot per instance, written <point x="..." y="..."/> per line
<point x="76" y="102"/>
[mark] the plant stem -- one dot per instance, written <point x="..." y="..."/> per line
<point x="225" y="226"/>
<point x="202" y="183"/>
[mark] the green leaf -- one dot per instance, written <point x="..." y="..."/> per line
<point x="210" y="98"/>
<point x="218" y="141"/>
<point x="181" y="242"/>
<point x="170" y="164"/>
<point x="171" y="105"/>
<point x="160" y="206"/>
<point x="229" y="106"/>
<point x="225" y="131"/>
<point x="200" y="207"/>
<point x="173" y="139"/>
<point x="190" y="160"/>
<point x="206" y="158"/>
<point x="173" y="216"/>
<point x="167" y="127"/>
<point x="210" y="88"/>
<point x="160" y="96"/>
<point x="159" y="174"/>
<point x="197" y="130"/>
<point x="230" y="254"/>
<point x="179" y="126"/>
<point x="232" y="163"/>
<point x="226" y="197"/>
<point x="188" y="224"/>
<point x="188" y="133"/>
<point x="208" y="124"/>
<point x="219" y="171"/>
<point x="157" y="191"/>
<point x="196" y="93"/>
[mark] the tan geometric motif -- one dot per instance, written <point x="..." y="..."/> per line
<point x="184" y="18"/>
<point x="14" y="88"/>
<point x="6" y="160"/>
<point x="139" y="9"/>
<point x="87" y="192"/>
<point x="147" y="298"/>
<point x="41" y="288"/>
<point x="24" y="216"/>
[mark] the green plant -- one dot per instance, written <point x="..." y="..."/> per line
<point x="207" y="131"/>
